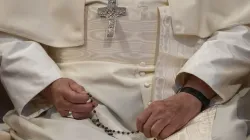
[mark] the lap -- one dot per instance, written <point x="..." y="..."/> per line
<point x="200" y="128"/>
<point x="58" y="128"/>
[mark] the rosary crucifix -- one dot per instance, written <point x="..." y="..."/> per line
<point x="111" y="13"/>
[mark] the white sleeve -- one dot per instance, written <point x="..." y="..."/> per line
<point x="25" y="70"/>
<point x="222" y="62"/>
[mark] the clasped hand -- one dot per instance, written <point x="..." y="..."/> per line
<point x="66" y="95"/>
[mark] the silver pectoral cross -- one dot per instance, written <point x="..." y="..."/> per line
<point x="111" y="13"/>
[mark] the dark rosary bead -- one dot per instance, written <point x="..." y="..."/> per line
<point x="90" y="96"/>
<point x="106" y="129"/>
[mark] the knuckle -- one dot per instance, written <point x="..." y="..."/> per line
<point x="68" y="106"/>
<point x="160" y="109"/>
<point x="146" y="128"/>
<point x="156" y="104"/>
<point x="69" y="96"/>
<point x="154" y="132"/>
<point x="139" y="119"/>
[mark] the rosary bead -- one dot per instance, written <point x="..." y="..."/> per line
<point x="106" y="129"/>
<point x="90" y="96"/>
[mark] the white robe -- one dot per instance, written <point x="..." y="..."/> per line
<point x="173" y="53"/>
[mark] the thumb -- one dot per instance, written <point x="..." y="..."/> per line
<point x="76" y="87"/>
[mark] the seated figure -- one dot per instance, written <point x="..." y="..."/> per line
<point x="126" y="69"/>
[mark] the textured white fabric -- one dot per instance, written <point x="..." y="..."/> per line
<point x="60" y="23"/>
<point x="203" y="17"/>
<point x="57" y="23"/>
<point x="174" y="51"/>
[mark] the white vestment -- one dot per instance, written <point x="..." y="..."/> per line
<point x="139" y="65"/>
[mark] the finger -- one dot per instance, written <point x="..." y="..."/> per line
<point x="142" y="118"/>
<point x="167" y="131"/>
<point x="66" y="105"/>
<point x="75" y="97"/>
<point x="63" y="113"/>
<point x="81" y="116"/>
<point x="83" y="108"/>
<point x="79" y="108"/>
<point x="158" y="127"/>
<point x="148" y="125"/>
<point x="76" y="87"/>
<point x="94" y="104"/>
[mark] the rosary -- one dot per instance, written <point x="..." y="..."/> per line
<point x="96" y="121"/>
<point x="107" y="130"/>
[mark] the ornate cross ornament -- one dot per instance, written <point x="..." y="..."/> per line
<point x="111" y="13"/>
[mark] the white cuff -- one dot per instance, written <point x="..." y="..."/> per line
<point x="222" y="62"/>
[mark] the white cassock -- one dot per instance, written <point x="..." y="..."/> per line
<point x="154" y="48"/>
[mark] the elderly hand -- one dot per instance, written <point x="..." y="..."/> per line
<point x="163" y="118"/>
<point x="66" y="95"/>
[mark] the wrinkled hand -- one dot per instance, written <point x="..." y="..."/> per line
<point x="163" y="118"/>
<point x="66" y="95"/>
